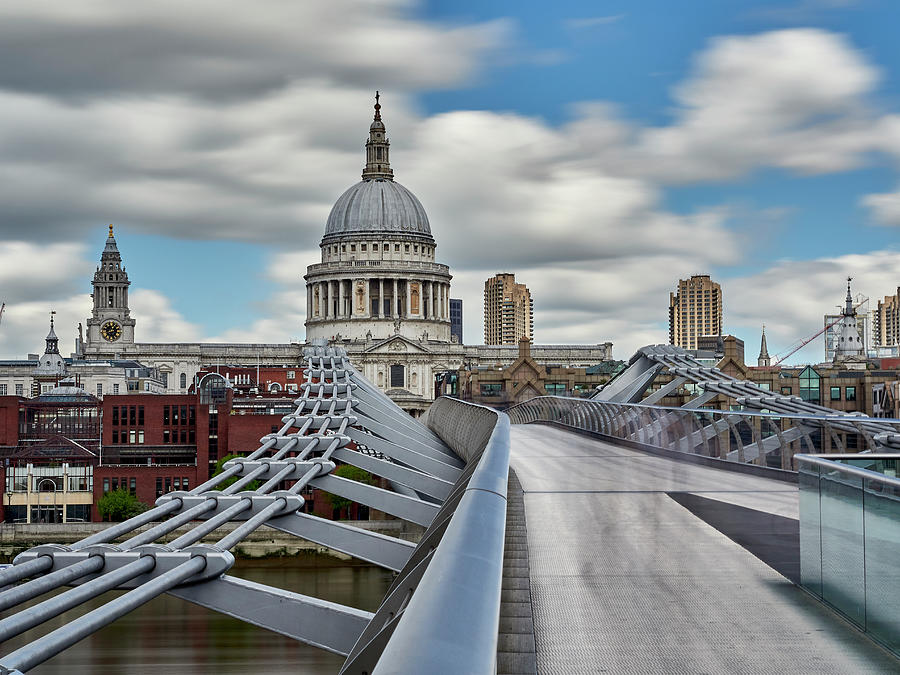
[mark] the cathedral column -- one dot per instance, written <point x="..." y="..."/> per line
<point x="339" y="312"/>
<point x="396" y="301"/>
<point x="309" y="306"/>
<point x="328" y="310"/>
<point x="381" y="298"/>
<point x="430" y="314"/>
<point x="408" y="298"/>
<point x="444" y="302"/>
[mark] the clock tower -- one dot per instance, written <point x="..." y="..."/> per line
<point x="110" y="325"/>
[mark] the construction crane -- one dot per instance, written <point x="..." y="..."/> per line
<point x="806" y="341"/>
<point x="2" y="307"/>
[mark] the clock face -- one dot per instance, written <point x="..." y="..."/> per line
<point x="111" y="331"/>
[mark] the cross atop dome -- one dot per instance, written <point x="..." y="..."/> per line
<point x="378" y="165"/>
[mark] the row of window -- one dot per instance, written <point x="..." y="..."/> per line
<point x="123" y="483"/>
<point x="128" y="415"/>
<point x="849" y="393"/>
<point x="387" y="247"/>
<point x="18" y="482"/>
<point x="115" y="388"/>
<point x="180" y="435"/>
<point x="168" y="484"/>
<point x="128" y="436"/>
<point x="179" y="415"/>
<point x="163" y="484"/>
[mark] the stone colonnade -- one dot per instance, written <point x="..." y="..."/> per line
<point x="381" y="298"/>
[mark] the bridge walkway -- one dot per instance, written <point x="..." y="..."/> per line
<point x="625" y="579"/>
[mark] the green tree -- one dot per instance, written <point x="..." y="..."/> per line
<point x="352" y="473"/>
<point x="220" y="467"/>
<point x="119" y="505"/>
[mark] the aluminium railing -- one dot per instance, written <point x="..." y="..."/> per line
<point x="765" y="438"/>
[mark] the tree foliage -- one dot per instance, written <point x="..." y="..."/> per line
<point x="220" y="467"/>
<point x="351" y="473"/>
<point x="118" y="505"/>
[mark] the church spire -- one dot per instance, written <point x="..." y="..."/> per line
<point x="378" y="165"/>
<point x="111" y="250"/>
<point x="764" y="360"/>
<point x="849" y="310"/>
<point x="52" y="341"/>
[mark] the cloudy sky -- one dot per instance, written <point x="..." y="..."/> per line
<point x="598" y="150"/>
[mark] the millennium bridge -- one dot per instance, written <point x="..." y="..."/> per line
<point x="564" y="535"/>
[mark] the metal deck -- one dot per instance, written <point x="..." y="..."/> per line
<point x="626" y="580"/>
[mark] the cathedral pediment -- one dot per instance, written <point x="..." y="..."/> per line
<point x="397" y="344"/>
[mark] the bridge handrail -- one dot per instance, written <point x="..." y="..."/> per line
<point x="452" y="620"/>
<point x="739" y="436"/>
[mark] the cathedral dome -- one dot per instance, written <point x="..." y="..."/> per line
<point x="377" y="206"/>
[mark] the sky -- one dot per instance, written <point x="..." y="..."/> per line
<point x="600" y="151"/>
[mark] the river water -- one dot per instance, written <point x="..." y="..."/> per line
<point x="174" y="636"/>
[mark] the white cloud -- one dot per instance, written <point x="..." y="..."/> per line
<point x="885" y="207"/>
<point x="157" y="321"/>
<point x="792" y="98"/>
<point x="257" y="145"/>
<point x="593" y="21"/>
<point x="25" y="325"/>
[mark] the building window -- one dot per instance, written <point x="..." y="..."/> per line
<point x="184" y="483"/>
<point x="397" y="376"/>
<point x="290" y="374"/>
<point x="397" y="248"/>
<point x="115" y="388"/>
<point x="167" y="436"/>
<point x="810" y="385"/>
<point x="165" y="414"/>
<point x="787" y="391"/>
<point x="20" y="390"/>
<point x="131" y="436"/>
<point x="362" y="247"/>
<point x="115" y="436"/>
<point x="374" y="247"/>
<point x="140" y="415"/>
<point x="850" y="393"/>
<point x="835" y="393"/>
<point x="165" y="380"/>
<point x="159" y="486"/>
<point x="140" y="436"/>
<point x="99" y="390"/>
<point x="491" y="389"/>
<point x="106" y="485"/>
<point x="2" y="390"/>
<point x="132" y="487"/>
<point x="183" y="379"/>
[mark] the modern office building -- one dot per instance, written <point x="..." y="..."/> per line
<point x="456" y="318"/>
<point x="508" y="311"/>
<point x="695" y="311"/>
